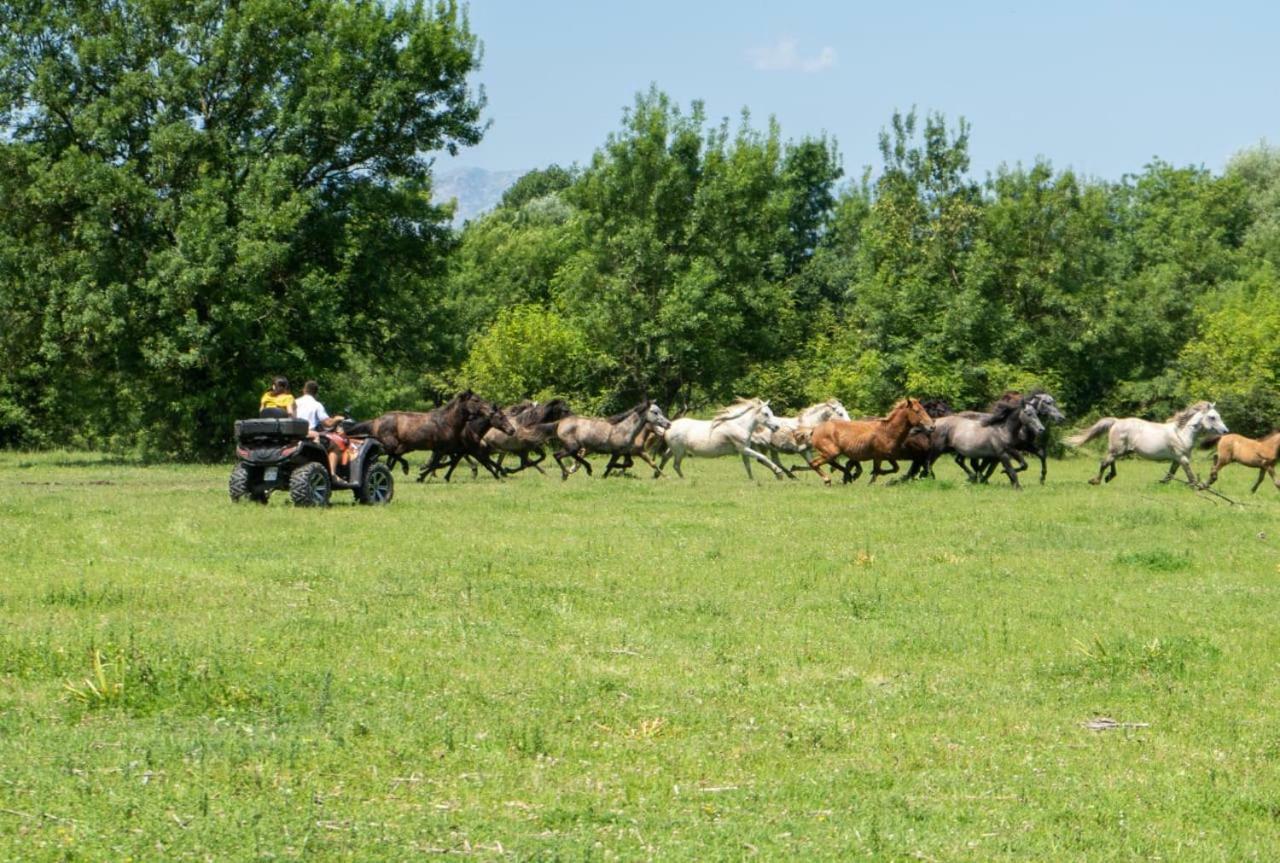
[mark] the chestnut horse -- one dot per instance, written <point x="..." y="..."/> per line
<point x="867" y="440"/>
<point x="1261" y="454"/>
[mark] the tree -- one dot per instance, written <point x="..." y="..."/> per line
<point x="199" y="195"/>
<point x="689" y="234"/>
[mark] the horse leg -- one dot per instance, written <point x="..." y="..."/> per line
<point x="487" y="463"/>
<point x="559" y="455"/>
<point x="776" y="458"/>
<point x="763" y="459"/>
<point x="657" y="471"/>
<point x="817" y="463"/>
<point x="580" y="459"/>
<point x="877" y="472"/>
<point x="454" y="461"/>
<point x="746" y="462"/>
<point x="970" y="476"/>
<point x="1043" y="452"/>
<point x="1108" y="461"/>
<point x="1261" y="473"/>
<point x="430" y="467"/>
<point x="856" y="466"/>
<point x="1185" y="461"/>
<point x="989" y="467"/>
<point x="526" y="460"/>
<point x="1008" y="469"/>
<point x="1173" y="468"/>
<point x="1213" y="474"/>
<point x="1271" y="472"/>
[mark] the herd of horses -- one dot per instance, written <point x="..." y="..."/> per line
<point x="471" y="428"/>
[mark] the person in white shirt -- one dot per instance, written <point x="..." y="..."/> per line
<point x="309" y="408"/>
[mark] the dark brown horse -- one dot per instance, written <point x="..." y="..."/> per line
<point x="439" y="430"/>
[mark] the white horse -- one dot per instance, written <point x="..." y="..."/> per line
<point x="1172" y="440"/>
<point x="793" y="434"/>
<point x="729" y="432"/>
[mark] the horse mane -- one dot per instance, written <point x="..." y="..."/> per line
<point x="1001" y="410"/>
<point x="936" y="408"/>
<point x="520" y="408"/>
<point x="737" y="409"/>
<point x="617" y="418"/>
<point x="1182" y="417"/>
<point x="1007" y="397"/>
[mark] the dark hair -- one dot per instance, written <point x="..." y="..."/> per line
<point x="311" y="388"/>
<point x="281" y="381"/>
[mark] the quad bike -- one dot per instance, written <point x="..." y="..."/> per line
<point x="276" y="454"/>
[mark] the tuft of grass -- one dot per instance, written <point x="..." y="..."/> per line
<point x="1158" y="560"/>
<point x="1126" y="656"/>
<point x="102" y="688"/>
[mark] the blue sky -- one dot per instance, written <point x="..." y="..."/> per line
<point x="1099" y="87"/>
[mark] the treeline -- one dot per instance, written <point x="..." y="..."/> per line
<point x="197" y="196"/>
<point x="696" y="262"/>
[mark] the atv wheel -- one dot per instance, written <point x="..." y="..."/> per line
<point x="309" y="486"/>
<point x="377" y="487"/>
<point x="238" y="485"/>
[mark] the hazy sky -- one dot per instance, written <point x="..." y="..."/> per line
<point x="1100" y="87"/>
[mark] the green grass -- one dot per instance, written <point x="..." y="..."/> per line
<point x="625" y="669"/>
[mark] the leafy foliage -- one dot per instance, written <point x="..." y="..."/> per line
<point x="199" y="195"/>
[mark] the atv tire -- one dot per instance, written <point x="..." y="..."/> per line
<point x="377" y="487"/>
<point x="309" y="485"/>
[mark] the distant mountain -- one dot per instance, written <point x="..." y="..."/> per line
<point x="475" y="189"/>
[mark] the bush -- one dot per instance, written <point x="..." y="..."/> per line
<point x="1234" y="360"/>
<point x="532" y="352"/>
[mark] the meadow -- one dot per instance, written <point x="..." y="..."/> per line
<point x="704" y="669"/>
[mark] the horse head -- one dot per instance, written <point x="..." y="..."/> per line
<point x="837" y="410"/>
<point x="765" y="417"/>
<point x="916" y="415"/>
<point x="1030" y="418"/>
<point x="653" y="415"/>
<point x="1211" y="421"/>
<point x="1046" y="406"/>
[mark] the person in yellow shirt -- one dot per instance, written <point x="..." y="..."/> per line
<point x="277" y="401"/>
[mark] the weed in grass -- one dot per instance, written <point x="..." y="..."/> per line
<point x="104" y="687"/>
<point x="1158" y="560"/>
<point x="83" y="596"/>
<point x="1127" y="656"/>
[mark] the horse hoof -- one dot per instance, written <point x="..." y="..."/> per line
<point x="1095" y="481"/>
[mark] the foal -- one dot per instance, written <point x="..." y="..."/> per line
<point x="1249" y="452"/>
<point x="867" y="440"/>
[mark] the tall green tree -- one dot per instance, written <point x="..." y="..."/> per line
<point x="200" y="194"/>
<point x="690" y="234"/>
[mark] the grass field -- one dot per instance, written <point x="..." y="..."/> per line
<point x="626" y="669"/>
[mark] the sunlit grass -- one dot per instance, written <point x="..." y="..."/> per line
<point x="702" y="669"/>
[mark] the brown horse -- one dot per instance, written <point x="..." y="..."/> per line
<point x="440" y="430"/>
<point x="867" y="440"/>
<point x="1261" y="454"/>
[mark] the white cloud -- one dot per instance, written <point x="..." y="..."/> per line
<point x="785" y="56"/>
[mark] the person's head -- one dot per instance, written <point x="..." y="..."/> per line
<point x="310" y="388"/>
<point x="280" y="385"/>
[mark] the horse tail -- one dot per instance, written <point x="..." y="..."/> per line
<point x="363" y="429"/>
<point x="1094" y="430"/>
<point x="1210" y="442"/>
